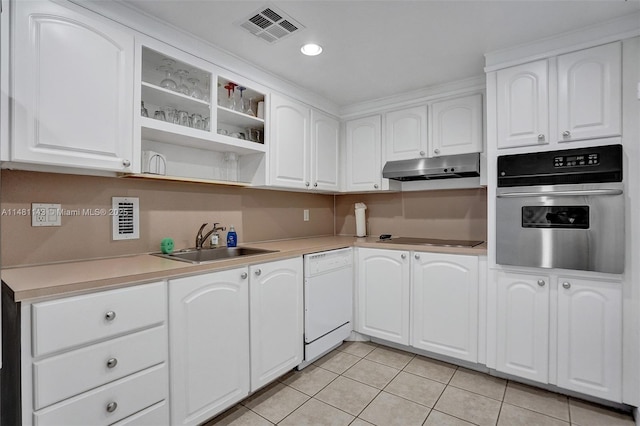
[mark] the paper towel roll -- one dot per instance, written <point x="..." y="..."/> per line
<point x="361" y="221"/>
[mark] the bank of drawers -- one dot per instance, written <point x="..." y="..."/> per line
<point x="100" y="358"/>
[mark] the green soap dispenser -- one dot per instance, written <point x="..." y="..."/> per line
<point x="232" y="237"/>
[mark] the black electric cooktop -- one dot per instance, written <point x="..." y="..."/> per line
<point x="430" y="242"/>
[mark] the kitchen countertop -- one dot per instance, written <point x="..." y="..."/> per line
<point x="70" y="278"/>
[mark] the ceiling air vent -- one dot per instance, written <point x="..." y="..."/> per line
<point x="270" y="24"/>
<point x="126" y="218"/>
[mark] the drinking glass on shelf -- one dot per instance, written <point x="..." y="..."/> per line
<point x="167" y="68"/>
<point x="197" y="122"/>
<point x="183" y="88"/>
<point x="195" y="91"/>
<point x="231" y="100"/>
<point x="159" y="115"/>
<point x="207" y="124"/>
<point x="239" y="105"/>
<point x="169" y="113"/>
<point x="249" y="107"/>
<point x="182" y="118"/>
<point x="143" y="110"/>
<point x="206" y="93"/>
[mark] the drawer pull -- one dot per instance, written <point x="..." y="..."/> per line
<point x="566" y="285"/>
<point x="541" y="283"/>
<point x="110" y="316"/>
<point x="112" y="362"/>
<point x="112" y="406"/>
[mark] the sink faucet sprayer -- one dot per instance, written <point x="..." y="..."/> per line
<point x="200" y="239"/>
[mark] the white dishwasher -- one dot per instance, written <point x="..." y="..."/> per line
<point x="328" y="301"/>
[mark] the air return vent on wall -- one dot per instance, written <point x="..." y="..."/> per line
<point x="126" y="218"/>
<point x="270" y="24"/>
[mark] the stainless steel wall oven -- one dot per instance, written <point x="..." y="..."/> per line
<point x="562" y="209"/>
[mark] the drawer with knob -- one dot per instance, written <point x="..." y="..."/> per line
<point x="74" y="321"/>
<point x="109" y="403"/>
<point x="63" y="376"/>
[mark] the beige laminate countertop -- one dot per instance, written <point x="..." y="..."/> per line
<point x="70" y="278"/>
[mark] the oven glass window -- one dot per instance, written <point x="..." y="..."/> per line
<point x="575" y="217"/>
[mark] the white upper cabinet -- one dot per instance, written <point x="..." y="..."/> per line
<point x="523" y="326"/>
<point x="590" y="337"/>
<point x="325" y="146"/>
<point x="445" y="304"/>
<point x="304" y="146"/>
<point x="589" y="93"/>
<point x="363" y="162"/>
<point x="456" y="126"/>
<point x="73" y="88"/>
<point x="383" y="289"/>
<point x="587" y="105"/>
<point x="406" y="133"/>
<point x="290" y="143"/>
<point x="523" y="105"/>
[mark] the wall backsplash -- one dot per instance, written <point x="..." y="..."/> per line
<point x="177" y="209"/>
<point x="167" y="209"/>
<point x="447" y="214"/>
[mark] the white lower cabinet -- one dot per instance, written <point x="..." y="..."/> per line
<point x="575" y="318"/>
<point x="444" y="304"/>
<point x="523" y="325"/>
<point x="277" y="312"/>
<point x="383" y="292"/>
<point x="94" y="359"/>
<point x="209" y="336"/>
<point x="425" y="300"/>
<point x="590" y="337"/>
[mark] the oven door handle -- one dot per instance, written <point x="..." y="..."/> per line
<point x="574" y="193"/>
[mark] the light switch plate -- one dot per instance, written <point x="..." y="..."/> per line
<point x="305" y="215"/>
<point x="46" y="214"/>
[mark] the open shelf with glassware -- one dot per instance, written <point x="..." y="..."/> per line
<point x="194" y="135"/>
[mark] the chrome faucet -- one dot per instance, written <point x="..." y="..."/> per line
<point x="200" y="239"/>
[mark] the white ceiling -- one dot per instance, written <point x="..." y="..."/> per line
<point x="374" y="49"/>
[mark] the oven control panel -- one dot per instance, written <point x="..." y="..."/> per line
<point x="576" y="160"/>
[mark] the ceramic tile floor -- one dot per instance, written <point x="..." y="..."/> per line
<point x="361" y="383"/>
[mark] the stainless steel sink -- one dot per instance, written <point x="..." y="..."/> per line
<point x="213" y="254"/>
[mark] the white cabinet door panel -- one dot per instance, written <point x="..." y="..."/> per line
<point x="277" y="331"/>
<point x="523" y="105"/>
<point x="590" y="337"/>
<point x="445" y="304"/>
<point x="325" y="144"/>
<point x="209" y="344"/>
<point x="590" y="93"/>
<point x="406" y="133"/>
<point x="523" y="326"/>
<point x="456" y="126"/>
<point x="73" y="89"/>
<point x="383" y="294"/>
<point x="363" y="159"/>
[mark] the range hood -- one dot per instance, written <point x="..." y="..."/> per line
<point x="452" y="166"/>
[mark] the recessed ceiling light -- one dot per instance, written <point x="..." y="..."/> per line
<point x="311" y="49"/>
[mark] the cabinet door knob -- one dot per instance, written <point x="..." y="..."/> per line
<point x="422" y="153"/>
<point x="244" y="275"/>
<point x="540" y="137"/>
<point x="437" y="151"/>
<point x="111" y="407"/>
<point x="126" y="163"/>
<point x="566" y="285"/>
<point x="541" y="283"/>
<point x="375" y="186"/>
<point x="566" y="133"/>
<point x="315" y="185"/>
<point x="417" y="256"/>
<point x="110" y="316"/>
<point x="112" y="362"/>
<point x="403" y="256"/>
<point x="258" y="272"/>
<point x="306" y="184"/>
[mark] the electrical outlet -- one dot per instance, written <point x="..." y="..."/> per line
<point x="46" y="214"/>
<point x="306" y="215"/>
